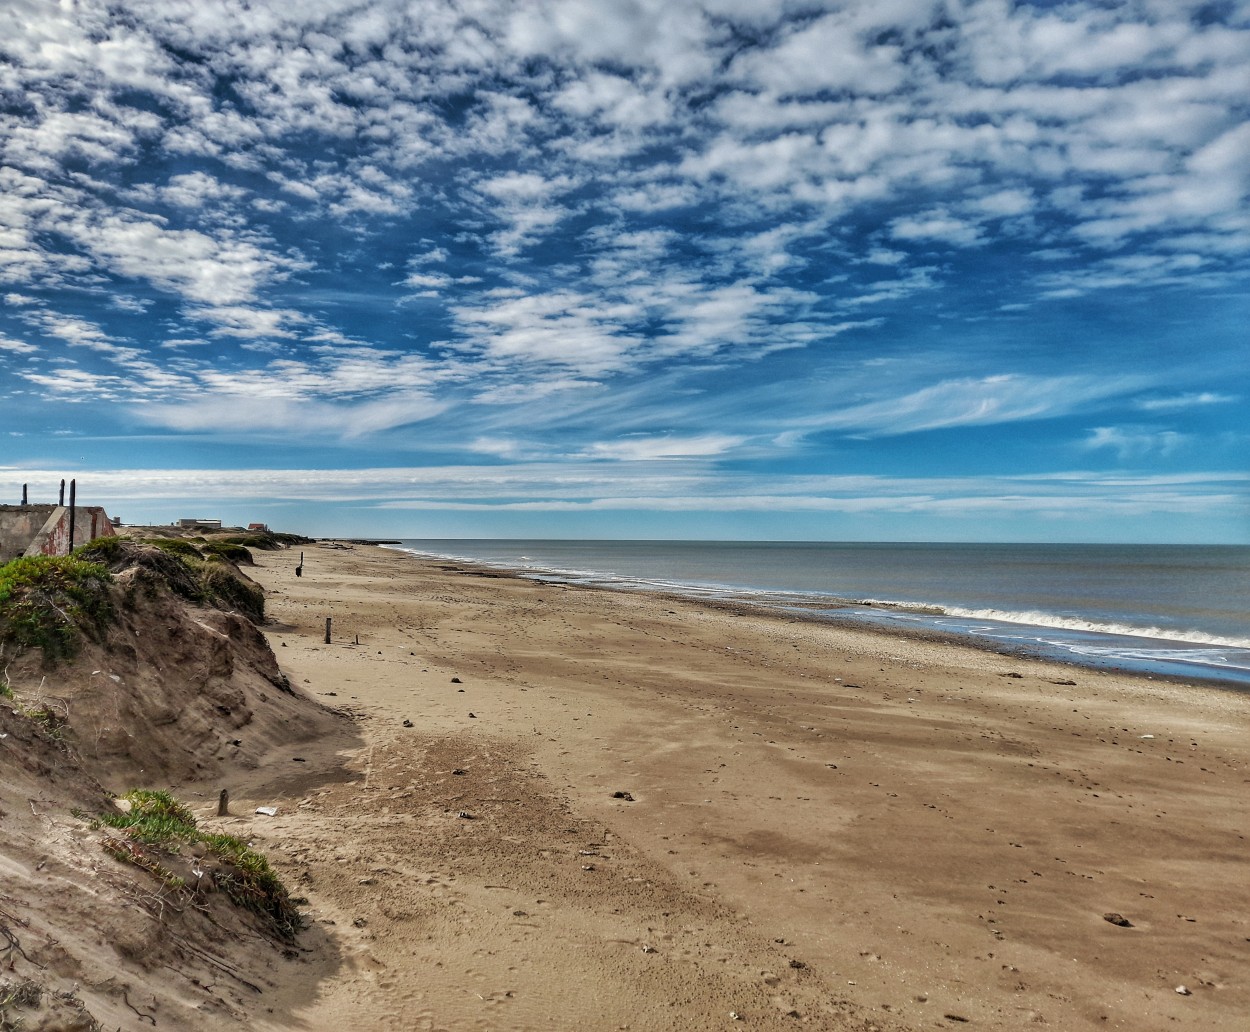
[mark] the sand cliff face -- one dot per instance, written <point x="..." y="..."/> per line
<point x="173" y="696"/>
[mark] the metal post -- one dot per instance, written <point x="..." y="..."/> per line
<point x="73" y="491"/>
<point x="24" y="494"/>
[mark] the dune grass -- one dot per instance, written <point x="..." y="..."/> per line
<point x="156" y="826"/>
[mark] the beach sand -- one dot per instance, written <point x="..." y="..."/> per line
<point x="821" y="827"/>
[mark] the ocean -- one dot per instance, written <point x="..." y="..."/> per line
<point x="1181" y="611"/>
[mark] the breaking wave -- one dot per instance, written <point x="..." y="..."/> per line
<point x="1067" y="623"/>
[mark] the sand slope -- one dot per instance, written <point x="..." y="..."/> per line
<point x="177" y="697"/>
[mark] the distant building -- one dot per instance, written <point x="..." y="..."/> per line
<point x="196" y="524"/>
<point x="262" y="527"/>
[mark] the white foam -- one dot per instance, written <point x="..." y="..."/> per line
<point x="1067" y="623"/>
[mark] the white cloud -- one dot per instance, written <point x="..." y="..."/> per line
<point x="218" y="269"/>
<point x="645" y="449"/>
<point x="527" y="204"/>
<point x="246" y="413"/>
<point x="937" y="226"/>
<point x="196" y="189"/>
<point x="16" y="347"/>
<point x="248" y="323"/>
<point x="826" y="54"/>
<point x="1135" y="443"/>
<point x="1179" y="402"/>
<point x="70" y="384"/>
<point x="564" y="329"/>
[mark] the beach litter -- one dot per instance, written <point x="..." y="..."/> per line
<point x="268" y="811"/>
<point x="1184" y="991"/>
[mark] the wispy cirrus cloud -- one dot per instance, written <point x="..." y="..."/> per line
<point x="987" y="401"/>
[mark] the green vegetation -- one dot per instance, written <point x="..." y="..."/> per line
<point x="207" y="578"/>
<point x="155" y="818"/>
<point x="262" y="541"/>
<point x="229" y="550"/>
<point x="180" y="547"/>
<point x="290" y="539"/>
<point x="106" y="550"/>
<point x="224" y="587"/>
<point x="214" y="580"/>
<point x="52" y="602"/>
<point x="155" y="828"/>
<point x="48" y="719"/>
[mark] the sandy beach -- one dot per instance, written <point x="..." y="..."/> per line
<point x="565" y="808"/>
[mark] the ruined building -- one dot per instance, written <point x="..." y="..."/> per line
<point x="49" y="529"/>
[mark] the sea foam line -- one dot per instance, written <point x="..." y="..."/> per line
<point x="1068" y="623"/>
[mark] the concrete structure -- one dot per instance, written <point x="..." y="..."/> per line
<point x="200" y="524"/>
<point x="44" y="529"/>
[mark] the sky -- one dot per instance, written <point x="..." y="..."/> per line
<point x="889" y="270"/>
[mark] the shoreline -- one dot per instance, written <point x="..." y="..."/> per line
<point x="611" y="809"/>
<point x="967" y="639"/>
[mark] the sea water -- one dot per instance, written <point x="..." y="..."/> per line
<point x="1174" y="610"/>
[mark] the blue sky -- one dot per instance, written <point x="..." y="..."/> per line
<point x="898" y="269"/>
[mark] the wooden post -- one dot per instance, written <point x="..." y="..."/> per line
<point x="23" y="494"/>
<point x="223" y="804"/>
<point x="327" y="630"/>
<point x="73" y="490"/>
<point x="299" y="570"/>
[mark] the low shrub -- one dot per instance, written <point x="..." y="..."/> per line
<point x="266" y="541"/>
<point x="224" y="587"/>
<point x="106" y="550"/>
<point x="291" y="539"/>
<point x="229" y="550"/>
<point x="180" y="547"/>
<point x="210" y="579"/>
<point x="52" y="602"/>
<point x="157" y="826"/>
